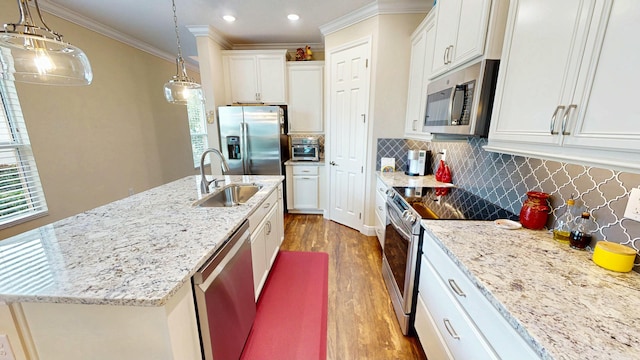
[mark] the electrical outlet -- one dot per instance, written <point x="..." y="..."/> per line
<point x="633" y="205"/>
<point x="5" y="348"/>
<point x="443" y="153"/>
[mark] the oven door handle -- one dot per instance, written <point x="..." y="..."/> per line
<point x="398" y="228"/>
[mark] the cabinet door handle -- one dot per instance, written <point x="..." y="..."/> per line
<point x="333" y="163"/>
<point x="414" y="126"/>
<point x="449" y="54"/>
<point x="450" y="329"/>
<point x="565" y="117"/>
<point x="456" y="289"/>
<point x="268" y="227"/>
<point x="444" y="56"/>
<point x="552" y="127"/>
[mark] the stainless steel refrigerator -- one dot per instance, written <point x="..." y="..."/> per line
<point x="254" y="139"/>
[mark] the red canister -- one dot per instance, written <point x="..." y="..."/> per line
<point x="535" y="210"/>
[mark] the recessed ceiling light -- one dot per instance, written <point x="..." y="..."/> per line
<point x="229" y="18"/>
<point x="293" y="17"/>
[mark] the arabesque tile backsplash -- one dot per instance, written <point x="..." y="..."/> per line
<point x="505" y="179"/>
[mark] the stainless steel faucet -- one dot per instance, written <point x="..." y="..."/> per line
<point x="204" y="183"/>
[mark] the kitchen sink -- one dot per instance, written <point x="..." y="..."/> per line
<point x="229" y="195"/>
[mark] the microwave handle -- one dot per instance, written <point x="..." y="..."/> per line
<point x="452" y="99"/>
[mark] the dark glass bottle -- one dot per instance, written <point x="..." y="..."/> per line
<point x="583" y="232"/>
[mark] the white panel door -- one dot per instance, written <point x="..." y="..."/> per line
<point x="349" y="102"/>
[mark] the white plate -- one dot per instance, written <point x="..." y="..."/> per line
<point x="507" y="224"/>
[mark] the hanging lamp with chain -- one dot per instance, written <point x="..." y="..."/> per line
<point x="31" y="52"/>
<point x="180" y="88"/>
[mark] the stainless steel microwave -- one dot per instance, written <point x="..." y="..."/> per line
<point x="460" y="102"/>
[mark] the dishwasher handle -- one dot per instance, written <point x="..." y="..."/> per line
<point x="215" y="265"/>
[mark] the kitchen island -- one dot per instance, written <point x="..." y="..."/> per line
<point x="125" y="265"/>
<point x="561" y="303"/>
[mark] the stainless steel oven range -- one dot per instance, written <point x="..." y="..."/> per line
<point x="402" y="251"/>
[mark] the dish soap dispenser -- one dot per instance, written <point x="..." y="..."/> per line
<point x="564" y="223"/>
<point x="582" y="234"/>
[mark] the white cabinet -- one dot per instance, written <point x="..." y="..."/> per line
<point x="454" y="320"/>
<point x="422" y="42"/>
<point x="567" y="83"/>
<point x="253" y="76"/>
<point x="381" y="210"/>
<point x="305" y="88"/>
<point x="304" y="187"/>
<point x="461" y="30"/>
<point x="267" y="232"/>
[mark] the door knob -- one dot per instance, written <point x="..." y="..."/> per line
<point x="333" y="163"/>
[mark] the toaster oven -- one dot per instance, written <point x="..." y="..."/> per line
<point x="305" y="149"/>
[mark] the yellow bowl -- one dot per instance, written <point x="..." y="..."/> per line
<point x="614" y="256"/>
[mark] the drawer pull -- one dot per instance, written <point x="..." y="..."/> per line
<point x="380" y="208"/>
<point x="382" y="190"/>
<point x="449" y="327"/>
<point x="266" y="206"/>
<point x="456" y="289"/>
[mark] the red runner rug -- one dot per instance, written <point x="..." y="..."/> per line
<point x="291" y="318"/>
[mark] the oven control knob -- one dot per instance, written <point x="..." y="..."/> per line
<point x="411" y="218"/>
<point x="390" y="194"/>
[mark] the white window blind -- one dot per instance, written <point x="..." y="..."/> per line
<point x="21" y="195"/>
<point x="197" y="128"/>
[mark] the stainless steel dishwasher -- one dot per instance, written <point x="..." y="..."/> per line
<point x="225" y="302"/>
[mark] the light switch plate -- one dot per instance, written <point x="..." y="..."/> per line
<point x="633" y="205"/>
<point x="5" y="348"/>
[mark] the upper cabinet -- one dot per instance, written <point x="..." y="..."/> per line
<point x="305" y="87"/>
<point x="255" y="76"/>
<point x="461" y="31"/>
<point x="567" y="82"/>
<point x="422" y="42"/>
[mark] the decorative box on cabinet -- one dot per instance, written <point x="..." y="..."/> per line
<point x="305" y="87"/>
<point x="573" y="103"/>
<point x="255" y="76"/>
<point x="466" y="30"/>
<point x="456" y="319"/>
<point x="422" y="42"/>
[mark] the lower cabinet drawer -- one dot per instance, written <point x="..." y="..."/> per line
<point x="504" y="339"/>
<point x="432" y="342"/>
<point x="461" y="337"/>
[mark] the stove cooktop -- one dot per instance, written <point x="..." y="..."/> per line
<point x="456" y="204"/>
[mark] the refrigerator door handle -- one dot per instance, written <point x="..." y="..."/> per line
<point x="245" y="147"/>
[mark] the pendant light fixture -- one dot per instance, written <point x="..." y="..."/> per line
<point x="181" y="88"/>
<point x="31" y="52"/>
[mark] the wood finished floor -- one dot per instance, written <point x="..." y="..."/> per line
<point x="361" y="321"/>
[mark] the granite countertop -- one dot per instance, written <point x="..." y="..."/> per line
<point x="137" y="251"/>
<point x="561" y="302"/>
<point x="399" y="178"/>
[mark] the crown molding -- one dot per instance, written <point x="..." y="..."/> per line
<point x="210" y="32"/>
<point x="81" y="20"/>
<point x="379" y="7"/>
<point x="278" y="46"/>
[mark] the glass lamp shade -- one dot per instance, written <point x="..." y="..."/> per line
<point x="180" y="92"/>
<point x="40" y="60"/>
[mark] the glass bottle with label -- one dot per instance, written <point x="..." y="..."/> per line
<point x="564" y="224"/>
<point x="582" y="233"/>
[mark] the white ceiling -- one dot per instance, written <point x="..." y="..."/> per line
<point x="259" y="22"/>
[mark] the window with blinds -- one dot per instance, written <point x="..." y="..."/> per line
<point x="21" y="195"/>
<point x="197" y="128"/>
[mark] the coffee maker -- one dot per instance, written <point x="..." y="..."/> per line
<point x="417" y="161"/>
